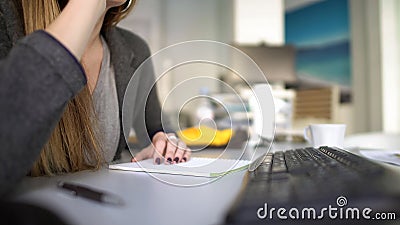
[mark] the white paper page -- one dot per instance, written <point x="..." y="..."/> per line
<point x="206" y="167"/>
<point x="388" y="156"/>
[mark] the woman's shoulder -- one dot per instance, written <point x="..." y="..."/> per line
<point x="134" y="41"/>
<point x="5" y="5"/>
<point x="9" y="13"/>
<point x="11" y="27"/>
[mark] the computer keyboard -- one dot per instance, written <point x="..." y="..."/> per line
<point x="304" y="186"/>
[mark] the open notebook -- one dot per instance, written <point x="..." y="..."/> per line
<point x="199" y="167"/>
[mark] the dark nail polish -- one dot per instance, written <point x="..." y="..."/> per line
<point x="169" y="160"/>
<point x="184" y="159"/>
<point x="158" y="161"/>
<point x="176" y="159"/>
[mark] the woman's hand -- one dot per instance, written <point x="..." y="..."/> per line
<point x="165" y="148"/>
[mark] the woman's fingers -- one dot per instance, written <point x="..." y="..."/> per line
<point x="168" y="148"/>
<point x="186" y="156"/>
<point x="144" y="154"/>
<point x="159" y="146"/>
<point x="172" y="145"/>
<point x="180" y="152"/>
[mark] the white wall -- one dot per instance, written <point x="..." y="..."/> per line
<point x="193" y="19"/>
<point x="259" y="21"/>
<point x="145" y="20"/>
<point x="375" y="26"/>
<point x="390" y="51"/>
<point x="165" y="22"/>
<point x="366" y="65"/>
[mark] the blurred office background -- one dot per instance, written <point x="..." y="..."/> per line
<point x="328" y="61"/>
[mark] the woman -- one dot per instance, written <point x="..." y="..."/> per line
<point x="109" y="58"/>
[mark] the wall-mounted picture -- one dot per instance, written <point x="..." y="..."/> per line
<point x="320" y="32"/>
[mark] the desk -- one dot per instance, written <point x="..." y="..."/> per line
<point x="374" y="140"/>
<point x="147" y="200"/>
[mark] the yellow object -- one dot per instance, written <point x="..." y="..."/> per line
<point x="205" y="136"/>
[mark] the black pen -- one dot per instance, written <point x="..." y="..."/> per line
<point x="89" y="193"/>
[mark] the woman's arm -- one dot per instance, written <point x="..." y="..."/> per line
<point x="75" y="24"/>
<point x="37" y="78"/>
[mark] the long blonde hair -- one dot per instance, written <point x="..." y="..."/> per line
<point x="73" y="145"/>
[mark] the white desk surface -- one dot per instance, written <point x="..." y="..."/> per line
<point x="147" y="200"/>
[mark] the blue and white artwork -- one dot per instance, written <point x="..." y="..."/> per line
<point x="320" y="32"/>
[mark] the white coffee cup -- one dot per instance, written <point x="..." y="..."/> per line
<point x="325" y="134"/>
